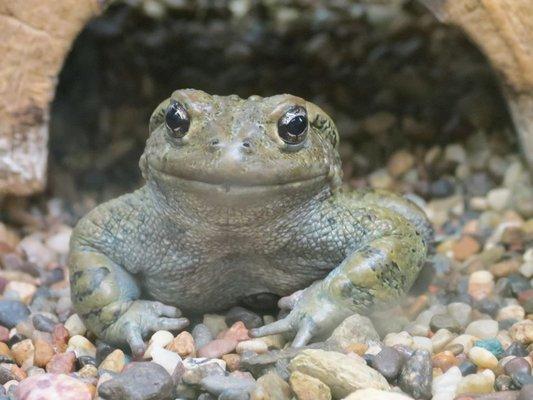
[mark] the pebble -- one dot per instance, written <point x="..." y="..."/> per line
<point x="52" y="387"/>
<point x="233" y="361"/>
<point x="166" y="358"/>
<point x="238" y="331"/>
<point x="479" y="383"/>
<point x="460" y="312"/>
<point x="24" y="290"/>
<point x="217" y="348"/>
<point x="522" y="332"/>
<point x="271" y="387"/>
<point x="513" y="311"/>
<point x="81" y="346"/>
<point x="516" y="349"/>
<point x="60" y="337"/>
<point x="445" y="385"/>
<point x="183" y="344"/>
<point x="526" y="393"/>
<point x="482" y="358"/>
<point x="43" y="352"/>
<point x="483" y="329"/>
<point x="517" y="365"/>
<point x="254" y="345"/>
<point x="140" y="381"/>
<point x="23" y="353"/>
<point x="12" y="312"/>
<point x="480" y="284"/>
<point x="215" y="323"/>
<point x="114" y="362"/>
<point x="198" y="368"/>
<point x="492" y="344"/>
<point x="465" y="247"/>
<point x="468" y="368"/>
<point x="440" y="339"/>
<point x="341" y="373"/>
<point x="43" y="323"/>
<point x="306" y="387"/>
<point x="202" y="335"/>
<point x="499" y="198"/>
<point x="248" y="318"/>
<point x="75" y="326"/>
<point x="219" y="385"/>
<point x="401" y="338"/>
<point x="354" y="329"/>
<point x="387" y="362"/>
<point x="444" y="360"/>
<point x="375" y="394"/>
<point x="62" y="363"/>
<point x="444" y="321"/>
<point x="159" y="339"/>
<point x="416" y="375"/>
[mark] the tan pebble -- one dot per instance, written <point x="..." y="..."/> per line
<point x="308" y="388"/>
<point x="62" y="363"/>
<point x="23" y="352"/>
<point x="43" y="352"/>
<point x="444" y="360"/>
<point x="513" y="311"/>
<point x="115" y="361"/>
<point x="399" y="163"/>
<point x="75" y="326"/>
<point x="183" y="344"/>
<point x="465" y="247"/>
<point x="522" y="332"/>
<point x="81" y="346"/>
<point x="441" y="338"/>
<point x="232" y="361"/>
<point x="465" y="340"/>
<point x="482" y="358"/>
<point x="237" y="331"/>
<point x="88" y="371"/>
<point x="23" y="289"/>
<point x="482" y="328"/>
<point x="479" y="383"/>
<point x="253" y="345"/>
<point x="4" y="349"/>
<point x="276" y="342"/>
<point x="271" y="387"/>
<point x="480" y="284"/>
<point x="357" y="348"/>
<point x="504" y="268"/>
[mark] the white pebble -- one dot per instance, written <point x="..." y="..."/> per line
<point x="445" y="385"/>
<point x="166" y="358"/>
<point x="75" y="325"/>
<point x="513" y="311"/>
<point x="398" y="338"/>
<point x="422" y="343"/>
<point x="483" y="328"/>
<point x="158" y="339"/>
<point x="254" y="345"/>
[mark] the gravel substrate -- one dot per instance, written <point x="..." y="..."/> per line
<point x="465" y="331"/>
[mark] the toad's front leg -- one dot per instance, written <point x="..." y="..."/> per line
<point x="377" y="273"/>
<point x="106" y="297"/>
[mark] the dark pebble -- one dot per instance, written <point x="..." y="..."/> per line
<point x="12" y="312"/>
<point x="102" y="351"/>
<point x="6" y="375"/>
<point x="517" y="365"/>
<point x="250" y="319"/>
<point x="518" y="284"/>
<point x="405" y="351"/>
<point x="444" y="321"/>
<point x="467" y="368"/>
<point x="6" y="360"/>
<point x="521" y="379"/>
<point x="140" y="381"/>
<point x="369" y="358"/>
<point x="417" y="374"/>
<point x="487" y="306"/>
<point x="53" y="276"/>
<point x="516" y="349"/>
<point x="82" y="361"/>
<point x="503" y="383"/>
<point x="17" y="337"/>
<point x="43" y="323"/>
<point x="388" y="362"/>
<point x="526" y="393"/>
<point x="505" y="324"/>
<point x="442" y="188"/>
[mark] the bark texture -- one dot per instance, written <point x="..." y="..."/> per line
<point x="503" y="30"/>
<point x="36" y="37"/>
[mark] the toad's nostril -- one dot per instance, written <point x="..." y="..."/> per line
<point x="246" y="144"/>
<point x="215" y="142"/>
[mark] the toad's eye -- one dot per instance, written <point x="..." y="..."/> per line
<point x="177" y="120"/>
<point x="292" y="126"/>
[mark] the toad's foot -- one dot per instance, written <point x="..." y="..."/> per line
<point x="141" y="318"/>
<point x="314" y="315"/>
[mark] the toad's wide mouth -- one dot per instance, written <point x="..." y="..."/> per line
<point x="239" y="186"/>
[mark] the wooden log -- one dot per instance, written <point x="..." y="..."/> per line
<point x="503" y="30"/>
<point x="35" y="37"/>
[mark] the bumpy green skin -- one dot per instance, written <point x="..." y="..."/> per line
<point x="230" y="212"/>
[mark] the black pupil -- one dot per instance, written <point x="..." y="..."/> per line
<point x="176" y="120"/>
<point x="297" y="125"/>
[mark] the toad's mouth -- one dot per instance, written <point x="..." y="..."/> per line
<point x="215" y="184"/>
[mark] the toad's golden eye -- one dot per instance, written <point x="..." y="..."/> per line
<point x="292" y="126"/>
<point x="177" y="120"/>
